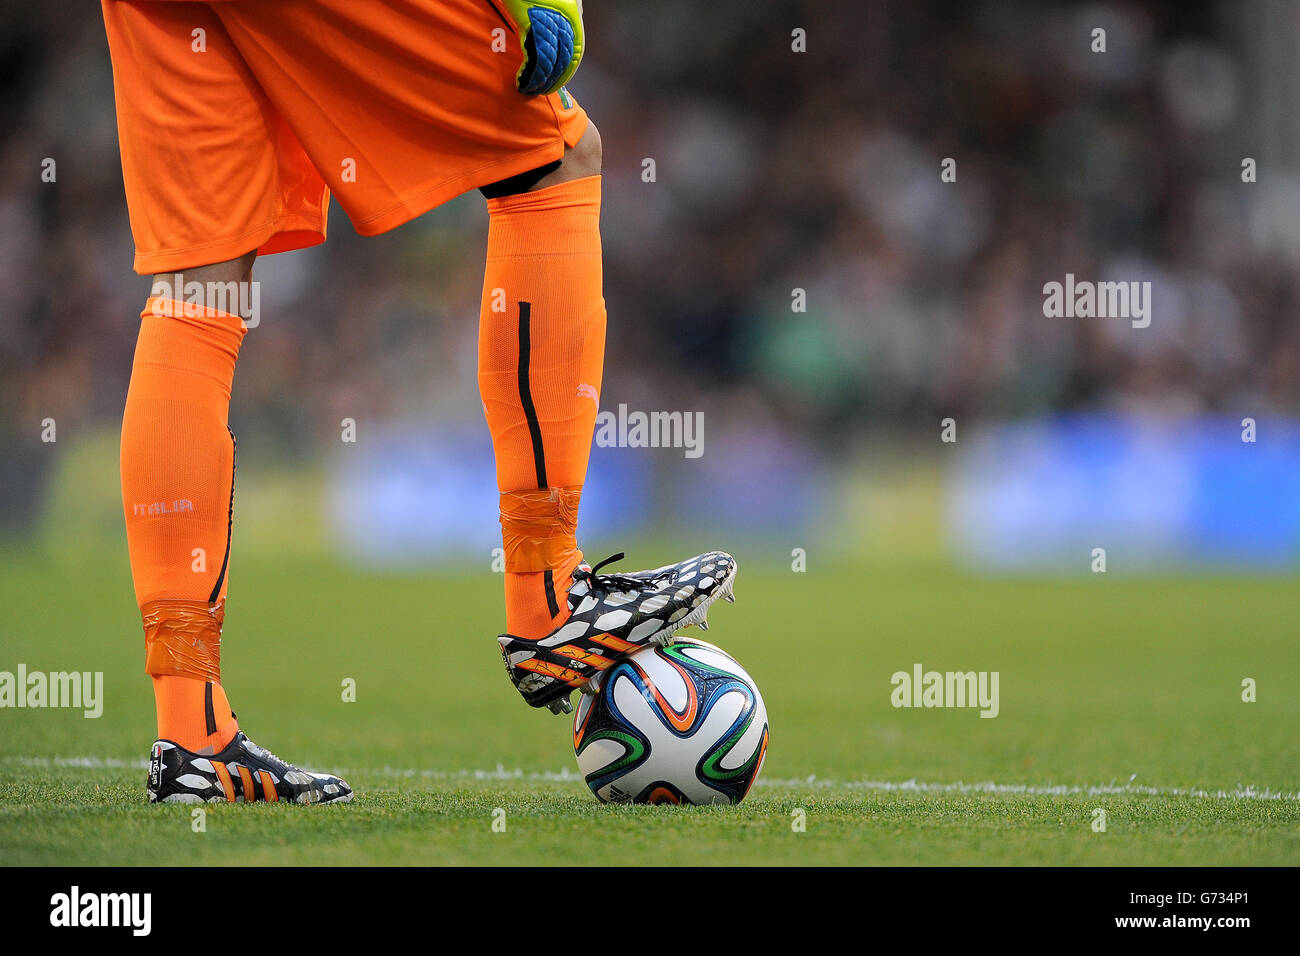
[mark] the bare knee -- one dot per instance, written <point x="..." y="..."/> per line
<point x="209" y="285"/>
<point x="578" y="162"/>
<point x="584" y="159"/>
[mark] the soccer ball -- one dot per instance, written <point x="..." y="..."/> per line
<point x="678" y="724"/>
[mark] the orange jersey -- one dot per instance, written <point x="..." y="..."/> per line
<point x="237" y="119"/>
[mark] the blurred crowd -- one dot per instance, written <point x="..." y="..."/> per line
<point x="782" y="180"/>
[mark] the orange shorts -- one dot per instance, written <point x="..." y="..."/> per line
<point x="238" y="118"/>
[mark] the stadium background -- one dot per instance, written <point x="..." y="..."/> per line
<point x="775" y="171"/>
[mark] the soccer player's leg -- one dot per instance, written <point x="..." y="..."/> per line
<point x="178" y="469"/>
<point x="444" y="114"/>
<point x="178" y="494"/>
<point x="541" y="357"/>
<point x="211" y="186"/>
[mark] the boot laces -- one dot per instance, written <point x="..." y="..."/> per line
<point x="259" y="751"/>
<point x="610" y="582"/>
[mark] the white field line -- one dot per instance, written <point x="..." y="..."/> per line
<point x="565" y="775"/>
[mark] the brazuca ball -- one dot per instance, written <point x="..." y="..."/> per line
<point x="679" y="724"/>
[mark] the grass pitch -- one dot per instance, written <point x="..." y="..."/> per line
<point x="1120" y="694"/>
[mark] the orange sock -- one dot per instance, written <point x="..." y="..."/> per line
<point x="541" y="354"/>
<point x="178" y="466"/>
<point x="183" y="705"/>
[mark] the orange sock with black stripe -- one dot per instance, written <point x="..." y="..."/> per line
<point x="541" y="355"/>
<point x="178" y="467"/>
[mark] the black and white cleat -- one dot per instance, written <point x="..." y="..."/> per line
<point x="242" y="773"/>
<point x="612" y="616"/>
